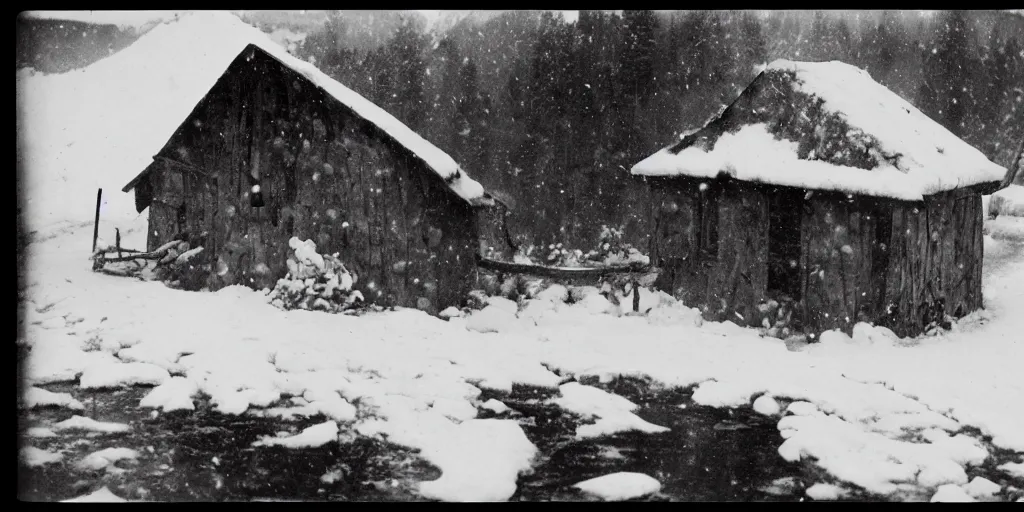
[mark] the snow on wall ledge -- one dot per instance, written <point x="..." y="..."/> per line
<point x="926" y="158"/>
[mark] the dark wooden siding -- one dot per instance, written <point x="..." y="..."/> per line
<point x="725" y="275"/>
<point x="673" y="246"/>
<point x="326" y="175"/>
<point x="936" y="261"/>
<point x="894" y="263"/>
<point x="739" y="281"/>
<point x="837" y="247"/>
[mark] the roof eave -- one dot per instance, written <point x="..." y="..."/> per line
<point x="987" y="187"/>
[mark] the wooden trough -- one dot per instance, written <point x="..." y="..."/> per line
<point x="635" y="274"/>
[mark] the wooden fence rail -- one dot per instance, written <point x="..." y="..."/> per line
<point x="563" y="272"/>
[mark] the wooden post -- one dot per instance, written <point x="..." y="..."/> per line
<point x="96" y="224"/>
<point x="636" y="296"/>
<point x="117" y="241"/>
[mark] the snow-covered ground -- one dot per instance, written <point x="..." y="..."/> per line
<point x="880" y="414"/>
<point x="889" y="416"/>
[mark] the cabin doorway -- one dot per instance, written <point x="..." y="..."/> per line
<point x="785" y="209"/>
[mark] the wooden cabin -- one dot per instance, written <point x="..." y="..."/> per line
<point x="821" y="189"/>
<point x="276" y="149"/>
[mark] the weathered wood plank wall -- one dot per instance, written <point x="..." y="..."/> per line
<point x="936" y="263"/>
<point x="729" y="282"/>
<point x="740" y="281"/>
<point x="899" y="264"/>
<point x="837" y="243"/>
<point x="673" y="246"/>
<point x="325" y="175"/>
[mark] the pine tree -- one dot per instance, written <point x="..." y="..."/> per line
<point x="447" y="98"/>
<point x="820" y="42"/>
<point x="885" y="44"/>
<point x="469" y="121"/>
<point x="952" y="65"/>
<point x="544" y="100"/>
<point x="842" y="41"/>
<point x="755" y="47"/>
<point x="638" y="53"/>
<point x="405" y="54"/>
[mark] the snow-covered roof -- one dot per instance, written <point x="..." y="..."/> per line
<point x="212" y="40"/>
<point x="826" y="126"/>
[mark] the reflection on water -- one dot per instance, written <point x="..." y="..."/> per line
<point x="708" y="455"/>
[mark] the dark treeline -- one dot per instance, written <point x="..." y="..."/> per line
<point x="551" y="115"/>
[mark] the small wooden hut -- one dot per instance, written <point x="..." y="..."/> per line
<point x="276" y="149"/>
<point x="820" y="188"/>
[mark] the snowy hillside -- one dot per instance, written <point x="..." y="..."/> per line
<point x="99" y="127"/>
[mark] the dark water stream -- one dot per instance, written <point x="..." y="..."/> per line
<point x="708" y="455"/>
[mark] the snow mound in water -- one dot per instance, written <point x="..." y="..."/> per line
<point x="981" y="487"/>
<point x="613" y="412"/>
<point x="620" y="486"/>
<point x="1013" y="469"/>
<point x="89" y="424"/>
<point x="105" y="457"/>
<point x="103" y="495"/>
<point x="480" y="459"/>
<point x="874" y="461"/>
<point x="38" y="397"/>
<point x="312" y="437"/>
<point x="823" y="492"/>
<point x="766" y="405"/>
<point x="950" y="493"/>
<point x="34" y="457"/>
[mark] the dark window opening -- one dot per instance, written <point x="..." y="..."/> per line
<point x="707" y="222"/>
<point x="256" y="196"/>
<point x="785" y="210"/>
<point x="143" y="194"/>
<point x="182" y="218"/>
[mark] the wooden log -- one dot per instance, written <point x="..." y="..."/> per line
<point x="133" y="257"/>
<point x="119" y="273"/>
<point x="566" y="272"/>
<point x="122" y="249"/>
